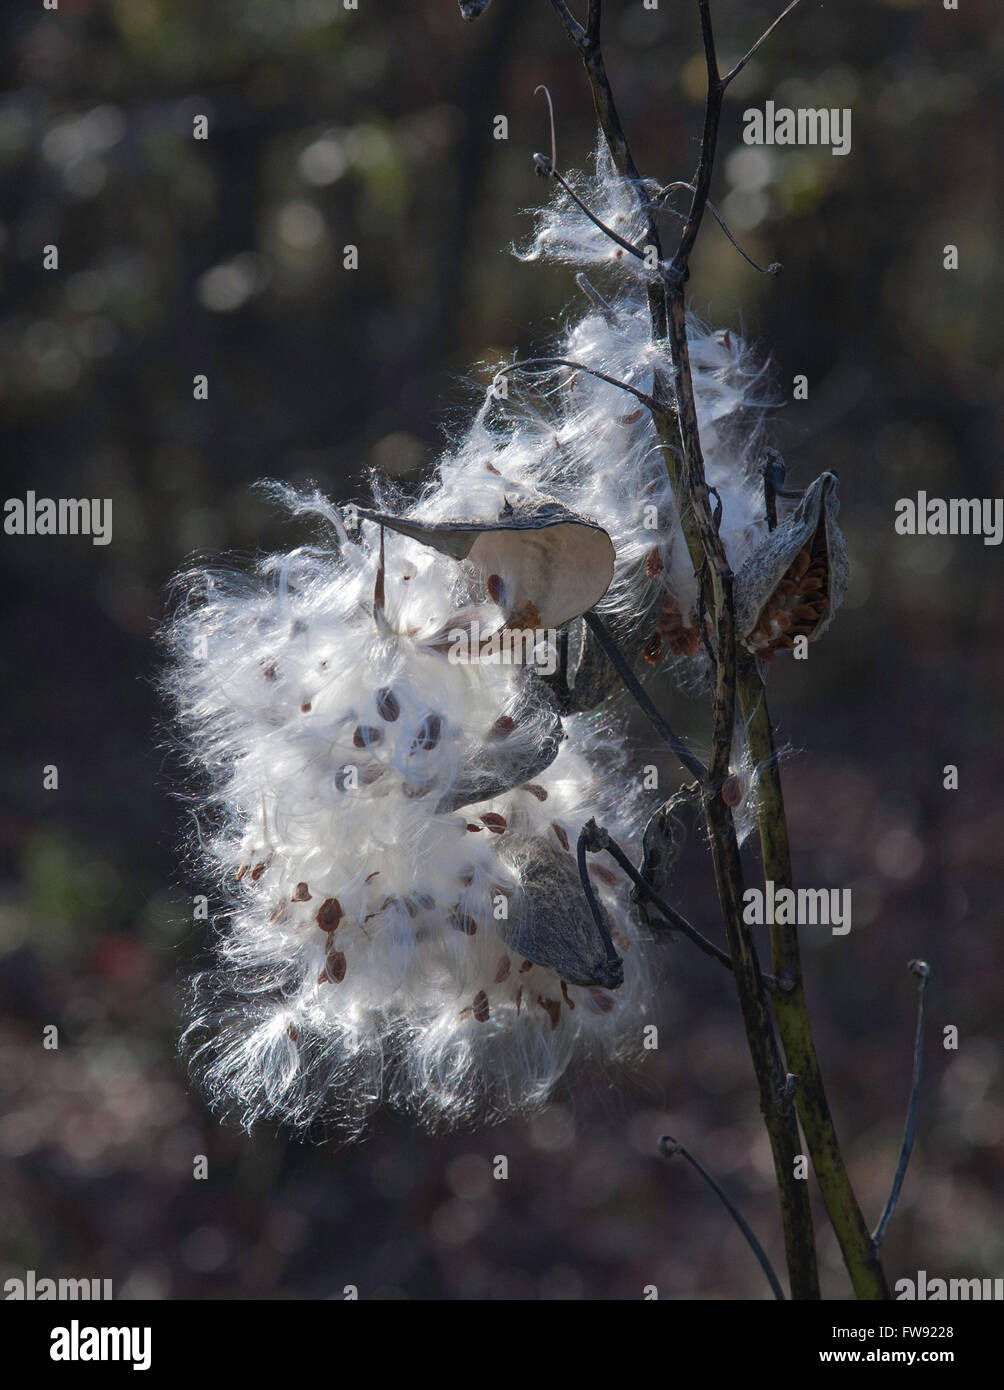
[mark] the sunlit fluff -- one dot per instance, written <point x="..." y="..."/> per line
<point x="361" y="956"/>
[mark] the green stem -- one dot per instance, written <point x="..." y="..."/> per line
<point x="790" y="1009"/>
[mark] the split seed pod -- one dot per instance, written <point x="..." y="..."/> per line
<point x="553" y="564"/>
<point x="795" y="580"/>
<point x="552" y="925"/>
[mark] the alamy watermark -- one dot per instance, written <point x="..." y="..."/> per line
<point x="59" y="516"/>
<point x="781" y="125"/>
<point x="926" y="1289"/>
<point x="951" y="516"/>
<point x="804" y="907"/>
<point x="35" y="1288"/>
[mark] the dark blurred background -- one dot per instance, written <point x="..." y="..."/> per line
<point x="375" y="128"/>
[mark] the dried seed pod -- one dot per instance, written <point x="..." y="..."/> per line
<point x="550" y="923"/>
<point x="802" y="561"/>
<point x="543" y="554"/>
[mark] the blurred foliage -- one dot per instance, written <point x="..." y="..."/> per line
<point x="374" y="128"/>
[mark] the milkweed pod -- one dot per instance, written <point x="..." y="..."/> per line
<point x="552" y="925"/>
<point x="795" y="580"/>
<point x="552" y="562"/>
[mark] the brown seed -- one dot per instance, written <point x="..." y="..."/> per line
<point x="334" y="966"/>
<point x="481" y="1009"/>
<point x="564" y="991"/>
<point x="366" y="736"/>
<point x="502" y="727"/>
<point x="653" y="562"/>
<point x="373" y="875"/>
<point x="525" y="967"/>
<point x="496" y="588"/>
<point x="805" y="613"/>
<point x="461" y="921"/>
<point x="242" y="870"/>
<point x="495" y="823"/>
<point x="471" y="826"/>
<point x="732" y="792"/>
<point x="652" y="650"/>
<point x="604" y="874"/>
<point x="269" y="671"/>
<point x="388" y="706"/>
<point x="800" y="564"/>
<point x="301" y="894"/>
<point x="292" y="1032"/>
<point x="502" y="969"/>
<point x="632" y="418"/>
<point x="561" y="833"/>
<point x="782" y="620"/>
<point x="552" y="1007"/>
<point x="600" y="1002"/>
<point x="278" y="914"/>
<point x="260" y="868"/>
<point x="428" y="733"/>
<point x="527" y="615"/>
<point x="785" y="589"/>
<point x="305" y="707"/>
<point x="492" y="469"/>
<point x="329" y="914"/>
<point x="535" y="790"/>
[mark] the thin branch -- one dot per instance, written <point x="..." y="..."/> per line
<point x="670" y="1147"/>
<point x="763" y="37"/>
<point x="547" y="362"/>
<point x="692" y="763"/>
<point x="774" y="268"/>
<point x="547" y="170"/>
<point x="923" y="971"/>
<point x="599" y="839"/>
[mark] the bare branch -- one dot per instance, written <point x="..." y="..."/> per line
<point x="548" y="362"/>
<point x="921" y="969"/>
<point x="764" y="36"/>
<point x="670" y="1147"/>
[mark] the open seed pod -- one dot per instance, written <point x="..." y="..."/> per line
<point x="551" y="923"/>
<point x="543" y="565"/>
<point x="505" y="760"/>
<point x="795" y="580"/>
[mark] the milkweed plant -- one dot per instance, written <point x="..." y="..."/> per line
<point x="411" y="739"/>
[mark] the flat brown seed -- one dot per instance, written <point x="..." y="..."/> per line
<point x="600" y="1002"/>
<point x="471" y="826"/>
<point x="292" y="1032"/>
<point x="525" y="967"/>
<point x="496" y="588"/>
<point x="365" y="736"/>
<point x="495" y="823"/>
<point x="242" y="870"/>
<point x="561" y="833"/>
<point x="301" y="893"/>
<point x="652" y="650"/>
<point x="278" y="914"/>
<point x="632" y="418"/>
<point x="329" y="914"/>
<point x="502" y="969"/>
<point x="502" y="727"/>
<point x="428" y="733"/>
<point x="305" y="707"/>
<point x="260" y="868"/>
<point x="804" y="613"/>
<point x="481" y="1009"/>
<point x="732" y="791"/>
<point x="535" y="790"/>
<point x="800" y="564"/>
<point x="653" y="562"/>
<point x="490" y="468"/>
<point x="334" y="966"/>
<point x="604" y="875"/>
<point x="388" y="706"/>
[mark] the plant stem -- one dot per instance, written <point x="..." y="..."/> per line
<point x="790" y="1008"/>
